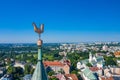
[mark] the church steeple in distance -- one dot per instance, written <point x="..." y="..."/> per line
<point x="40" y="72"/>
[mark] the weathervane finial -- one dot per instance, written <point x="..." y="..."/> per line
<point x="38" y="30"/>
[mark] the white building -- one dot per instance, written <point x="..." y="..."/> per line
<point x="105" y="48"/>
<point x="19" y="64"/>
<point x="97" y="61"/>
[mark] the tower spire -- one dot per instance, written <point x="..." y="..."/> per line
<point x="40" y="72"/>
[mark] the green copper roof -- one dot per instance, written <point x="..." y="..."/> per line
<point x="89" y="74"/>
<point x="40" y="72"/>
<point x="100" y="58"/>
<point x="85" y="61"/>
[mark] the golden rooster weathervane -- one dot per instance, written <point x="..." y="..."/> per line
<point x="38" y="30"/>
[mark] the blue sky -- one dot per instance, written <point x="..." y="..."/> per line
<point x="65" y="20"/>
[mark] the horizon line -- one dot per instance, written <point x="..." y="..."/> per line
<point x="55" y="42"/>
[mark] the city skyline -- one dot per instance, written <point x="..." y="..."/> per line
<point x="65" y="20"/>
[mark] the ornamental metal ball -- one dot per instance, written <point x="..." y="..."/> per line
<point x="39" y="42"/>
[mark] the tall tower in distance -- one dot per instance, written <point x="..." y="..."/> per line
<point x="90" y="57"/>
<point x="40" y="72"/>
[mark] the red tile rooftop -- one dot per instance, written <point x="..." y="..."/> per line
<point x="106" y="78"/>
<point x="52" y="63"/>
<point x="95" y="68"/>
<point x="72" y="76"/>
<point x="117" y="53"/>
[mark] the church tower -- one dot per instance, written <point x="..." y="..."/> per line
<point x="90" y="57"/>
<point x="40" y="72"/>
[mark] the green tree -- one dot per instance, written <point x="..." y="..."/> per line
<point x="74" y="72"/>
<point x="16" y="72"/>
<point x="19" y="70"/>
<point x="50" y="73"/>
<point x="89" y="64"/>
<point x="28" y="68"/>
<point x="32" y="70"/>
<point x="54" y="78"/>
<point x="109" y="60"/>
<point x="11" y="70"/>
